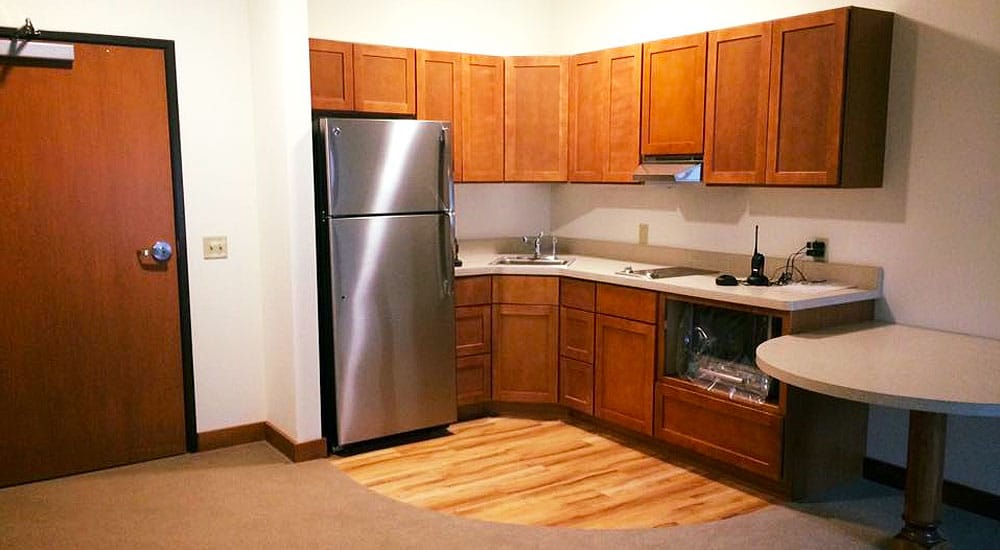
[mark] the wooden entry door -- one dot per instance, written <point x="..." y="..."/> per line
<point x="90" y="343"/>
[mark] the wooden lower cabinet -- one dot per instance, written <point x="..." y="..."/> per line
<point x="525" y="353"/>
<point x="576" y="334"/>
<point x="576" y="385"/>
<point x="624" y="372"/>
<point x="472" y="330"/>
<point x="473" y="379"/>
<point x="741" y="435"/>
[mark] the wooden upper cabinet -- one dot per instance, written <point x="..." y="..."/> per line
<point x="673" y="96"/>
<point x="739" y="61"/>
<point x="439" y="96"/>
<point x="588" y="124"/>
<point x="482" y="118"/>
<point x="536" y="118"/>
<point x="384" y="79"/>
<point x="331" y="74"/>
<point x="605" y="89"/>
<point x="807" y="85"/>
<point x="829" y="87"/>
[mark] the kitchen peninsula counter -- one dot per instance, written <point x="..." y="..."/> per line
<point x="794" y="297"/>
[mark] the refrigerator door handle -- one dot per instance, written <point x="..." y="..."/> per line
<point x="447" y="189"/>
<point x="448" y="258"/>
<point x="333" y="167"/>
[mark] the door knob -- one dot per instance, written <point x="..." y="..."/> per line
<point x="161" y="251"/>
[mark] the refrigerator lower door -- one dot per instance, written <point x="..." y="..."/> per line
<point x="393" y="324"/>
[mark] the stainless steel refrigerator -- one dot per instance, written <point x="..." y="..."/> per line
<point x="386" y="232"/>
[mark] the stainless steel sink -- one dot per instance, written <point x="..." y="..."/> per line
<point x="531" y="260"/>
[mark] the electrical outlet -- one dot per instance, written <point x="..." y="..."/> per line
<point x="643" y="233"/>
<point x="816" y="249"/>
<point x="215" y="248"/>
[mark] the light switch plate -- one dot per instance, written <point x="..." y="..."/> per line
<point x="215" y="248"/>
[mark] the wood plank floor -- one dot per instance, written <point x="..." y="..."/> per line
<point x="547" y="472"/>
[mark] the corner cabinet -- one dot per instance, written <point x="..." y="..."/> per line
<point x="673" y="96"/>
<point x="827" y="82"/>
<point x="604" y="97"/>
<point x="536" y="119"/>
<point x="525" y="339"/>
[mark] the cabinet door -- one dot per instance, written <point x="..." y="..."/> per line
<point x="576" y="334"/>
<point x="605" y="89"/>
<point x="625" y="91"/>
<point x="439" y="96"/>
<point x="471" y="291"/>
<point x="576" y="385"/>
<point x="536" y="112"/>
<point x="482" y="118"/>
<point x="331" y="74"/>
<point x="525" y="353"/>
<point x="384" y="80"/>
<point x="472" y="330"/>
<point x="588" y="117"/>
<point x="739" y="63"/>
<point x="473" y="379"/>
<point x="806" y="96"/>
<point x="673" y="95"/>
<point x="624" y="373"/>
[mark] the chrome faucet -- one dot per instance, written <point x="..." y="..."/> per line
<point x="538" y="242"/>
<point x="554" y="241"/>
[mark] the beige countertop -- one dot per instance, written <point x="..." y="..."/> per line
<point x="783" y="298"/>
<point x="891" y="365"/>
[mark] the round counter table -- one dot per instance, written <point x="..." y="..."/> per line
<point x="932" y="373"/>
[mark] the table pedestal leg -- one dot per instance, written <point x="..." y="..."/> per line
<point x="924" y="476"/>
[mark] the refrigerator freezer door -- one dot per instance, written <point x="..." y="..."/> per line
<point x="393" y="324"/>
<point x="387" y="166"/>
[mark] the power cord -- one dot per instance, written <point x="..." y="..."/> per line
<point x="789" y="270"/>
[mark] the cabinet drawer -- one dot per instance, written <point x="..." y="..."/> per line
<point x="576" y="334"/>
<point x="526" y="289"/>
<point x="578" y="294"/>
<point x="576" y="385"/>
<point x="630" y="303"/>
<point x="472" y="330"/>
<point x="719" y="428"/>
<point x="470" y="291"/>
<point x="473" y="379"/>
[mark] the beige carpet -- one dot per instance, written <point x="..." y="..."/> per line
<point x="251" y="497"/>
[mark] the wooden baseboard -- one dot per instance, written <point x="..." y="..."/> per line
<point x="954" y="494"/>
<point x="232" y="436"/>
<point x="262" y="431"/>
<point x="296" y="452"/>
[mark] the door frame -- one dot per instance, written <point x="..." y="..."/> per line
<point x="176" y="176"/>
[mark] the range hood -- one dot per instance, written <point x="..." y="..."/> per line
<point x="669" y="169"/>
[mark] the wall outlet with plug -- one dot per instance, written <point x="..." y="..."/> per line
<point x="816" y="249"/>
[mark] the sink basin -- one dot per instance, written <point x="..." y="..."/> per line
<point x="531" y="260"/>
